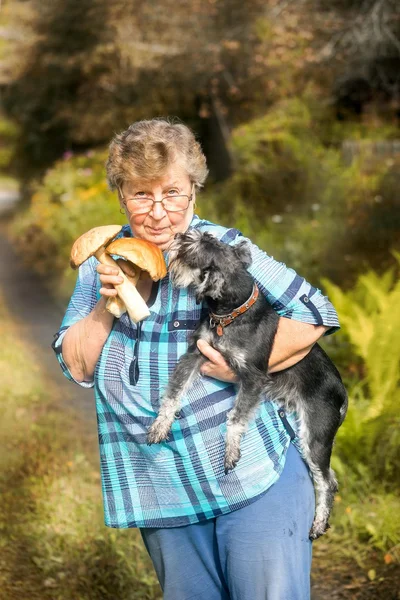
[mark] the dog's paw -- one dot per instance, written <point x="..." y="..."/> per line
<point x="158" y="432"/>
<point x="231" y="460"/>
<point x="318" y="528"/>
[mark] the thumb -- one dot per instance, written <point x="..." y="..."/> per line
<point x="209" y="352"/>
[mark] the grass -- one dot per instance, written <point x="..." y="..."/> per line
<point x="54" y="544"/>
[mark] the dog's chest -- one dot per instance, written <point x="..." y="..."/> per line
<point x="228" y="344"/>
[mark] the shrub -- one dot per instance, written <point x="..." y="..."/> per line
<point x="370" y="320"/>
<point x="72" y="199"/>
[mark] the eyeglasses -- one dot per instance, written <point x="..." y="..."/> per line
<point x="171" y="203"/>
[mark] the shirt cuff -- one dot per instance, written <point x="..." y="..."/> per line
<point x="315" y="309"/>
<point x="57" y="347"/>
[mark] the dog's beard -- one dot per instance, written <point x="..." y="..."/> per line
<point x="182" y="276"/>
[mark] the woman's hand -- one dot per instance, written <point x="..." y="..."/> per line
<point x="109" y="277"/>
<point x="216" y="366"/>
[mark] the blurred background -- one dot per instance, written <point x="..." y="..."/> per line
<point x="297" y="107"/>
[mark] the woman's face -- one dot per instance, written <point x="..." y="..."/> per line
<point x="159" y="226"/>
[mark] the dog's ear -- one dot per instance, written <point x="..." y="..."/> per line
<point x="211" y="286"/>
<point x="243" y="252"/>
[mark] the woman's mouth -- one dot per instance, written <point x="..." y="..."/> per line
<point x="156" y="231"/>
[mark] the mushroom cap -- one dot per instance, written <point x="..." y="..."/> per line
<point x="88" y="243"/>
<point x="145" y="255"/>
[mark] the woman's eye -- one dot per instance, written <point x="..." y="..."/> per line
<point x="173" y="192"/>
<point x="140" y="194"/>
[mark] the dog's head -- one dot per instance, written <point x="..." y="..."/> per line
<point x="201" y="260"/>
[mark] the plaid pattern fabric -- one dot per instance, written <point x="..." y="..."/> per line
<point x="182" y="481"/>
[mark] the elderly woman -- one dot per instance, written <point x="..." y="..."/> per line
<point x="241" y="535"/>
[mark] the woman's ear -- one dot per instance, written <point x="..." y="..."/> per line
<point x="194" y="196"/>
<point x="121" y="201"/>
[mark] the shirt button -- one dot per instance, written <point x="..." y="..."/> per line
<point x="176" y="323"/>
<point x="281" y="413"/>
<point x="306" y="299"/>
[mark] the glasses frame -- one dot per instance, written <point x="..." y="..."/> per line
<point x="125" y="200"/>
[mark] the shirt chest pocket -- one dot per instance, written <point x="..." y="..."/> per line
<point x="181" y="330"/>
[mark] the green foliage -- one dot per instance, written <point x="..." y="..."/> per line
<point x="370" y="320"/>
<point x="72" y="199"/>
<point x="299" y="200"/>
<point x="366" y="455"/>
<point x="9" y="133"/>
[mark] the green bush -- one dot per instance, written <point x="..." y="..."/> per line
<point x="297" y="198"/>
<point x="366" y="455"/>
<point x="72" y="198"/>
<point x="370" y="320"/>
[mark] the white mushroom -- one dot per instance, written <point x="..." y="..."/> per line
<point x="114" y="304"/>
<point x="142" y="256"/>
<point x="93" y="243"/>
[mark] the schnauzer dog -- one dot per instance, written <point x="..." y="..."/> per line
<point x="242" y="327"/>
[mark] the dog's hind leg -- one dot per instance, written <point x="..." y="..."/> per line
<point x="186" y="371"/>
<point x="326" y="487"/>
<point x="247" y="400"/>
<point x="317" y="449"/>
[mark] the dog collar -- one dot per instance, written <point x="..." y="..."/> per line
<point x="221" y="321"/>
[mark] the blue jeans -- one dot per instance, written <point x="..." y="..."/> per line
<point x="259" y="552"/>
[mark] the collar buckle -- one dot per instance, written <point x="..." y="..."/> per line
<point x="221" y="321"/>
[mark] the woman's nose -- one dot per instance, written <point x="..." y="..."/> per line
<point x="158" y="210"/>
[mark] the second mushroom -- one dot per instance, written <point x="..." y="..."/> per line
<point x="143" y="256"/>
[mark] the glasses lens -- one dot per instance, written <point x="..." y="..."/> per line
<point x="176" y="203"/>
<point x="139" y="206"/>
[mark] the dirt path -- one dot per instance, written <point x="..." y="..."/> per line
<point x="38" y="318"/>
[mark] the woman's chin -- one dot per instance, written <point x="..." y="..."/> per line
<point x="162" y="238"/>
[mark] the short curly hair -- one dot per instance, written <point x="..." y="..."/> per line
<point x="147" y="148"/>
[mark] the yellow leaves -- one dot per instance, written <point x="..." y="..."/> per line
<point x="348" y="510"/>
<point x="88" y="193"/>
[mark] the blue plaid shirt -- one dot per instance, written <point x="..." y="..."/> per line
<point x="182" y="481"/>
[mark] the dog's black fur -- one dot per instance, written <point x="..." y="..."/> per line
<point x="312" y="387"/>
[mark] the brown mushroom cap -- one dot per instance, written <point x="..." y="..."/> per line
<point x="88" y="243"/>
<point x="145" y="255"/>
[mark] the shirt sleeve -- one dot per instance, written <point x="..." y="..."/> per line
<point x="82" y="302"/>
<point x="290" y="295"/>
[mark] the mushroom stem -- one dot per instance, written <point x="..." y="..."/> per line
<point x="115" y="305"/>
<point x="135" y="305"/>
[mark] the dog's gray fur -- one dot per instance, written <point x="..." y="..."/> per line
<point x="312" y="387"/>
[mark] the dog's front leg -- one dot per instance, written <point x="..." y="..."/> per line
<point x="186" y="371"/>
<point x="247" y="400"/>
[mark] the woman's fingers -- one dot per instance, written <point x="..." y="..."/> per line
<point x="127" y="267"/>
<point x="209" y="352"/>
<point x="109" y="277"/>
<point x="216" y="366"/>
